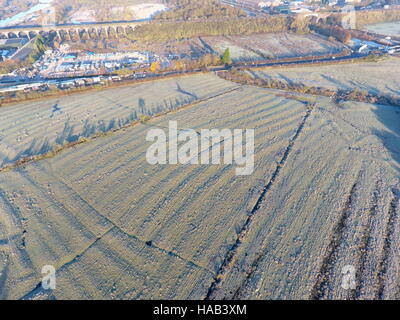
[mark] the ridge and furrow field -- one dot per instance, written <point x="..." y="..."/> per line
<point x="181" y="220"/>
<point x="378" y="78"/>
<point x="324" y="194"/>
<point x="34" y="128"/>
<point x="283" y="256"/>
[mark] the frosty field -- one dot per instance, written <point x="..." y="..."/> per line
<point x="325" y="193"/>
<point x="379" y="78"/>
<point x="246" y="48"/>
<point x="34" y="128"/>
<point x="387" y="28"/>
<point x="272" y="45"/>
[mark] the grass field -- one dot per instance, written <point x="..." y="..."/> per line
<point x="245" y="48"/>
<point x="378" y="78"/>
<point x="324" y="194"/>
<point x="34" y="128"/>
<point x="272" y="45"/>
<point x="388" y="28"/>
<point x="339" y="207"/>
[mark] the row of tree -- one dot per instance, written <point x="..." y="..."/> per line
<point x="224" y="27"/>
<point x="336" y="32"/>
<point x="363" y="18"/>
<point x="182" y="65"/>
<point x="376" y="16"/>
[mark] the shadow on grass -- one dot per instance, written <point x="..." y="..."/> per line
<point x="73" y="132"/>
<point x="390" y="136"/>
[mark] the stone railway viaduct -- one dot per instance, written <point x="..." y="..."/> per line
<point x="104" y="30"/>
<point x="73" y="31"/>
